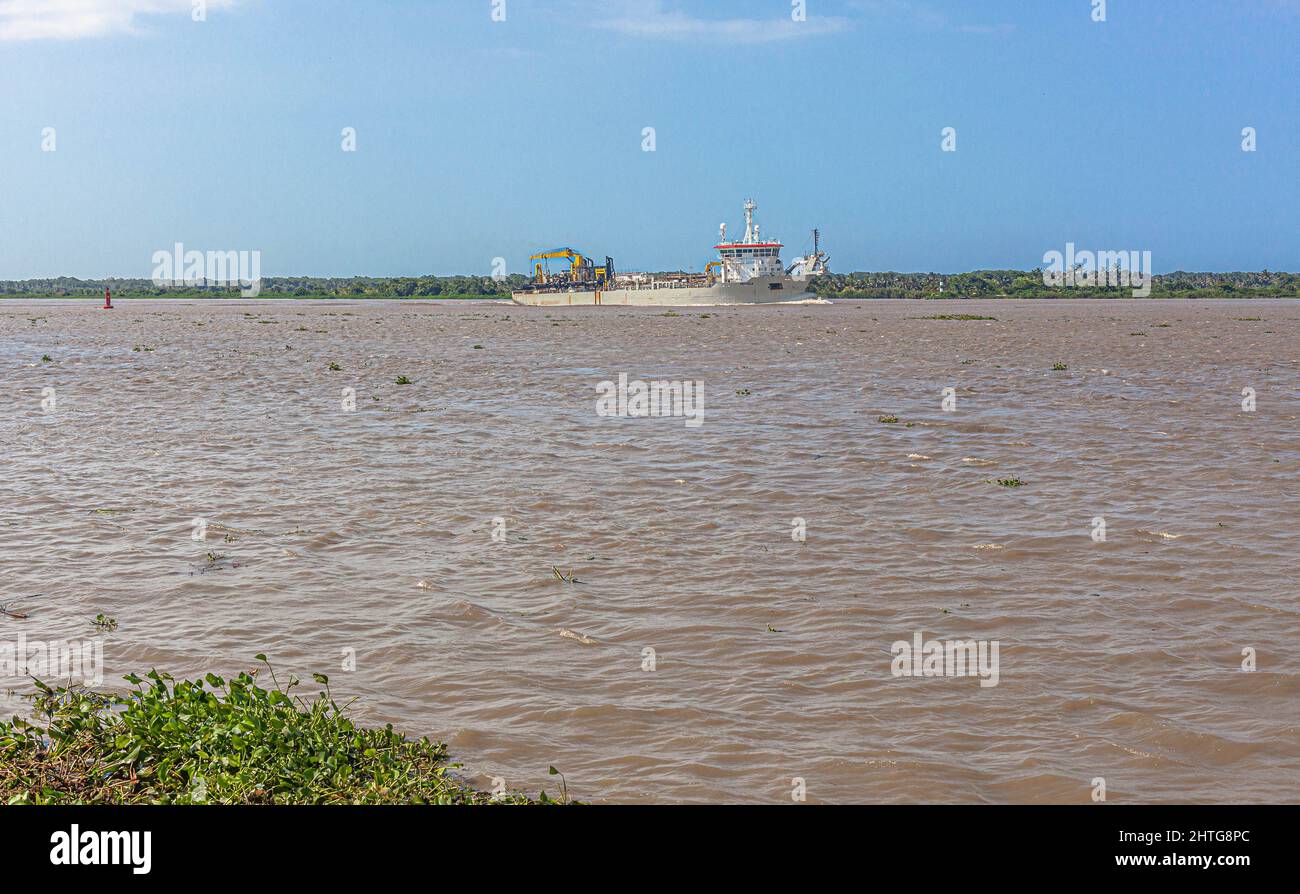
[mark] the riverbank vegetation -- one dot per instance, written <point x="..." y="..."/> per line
<point x="1029" y="284"/>
<point x="276" y="287"/>
<point x="977" y="284"/>
<point x="217" y="741"/>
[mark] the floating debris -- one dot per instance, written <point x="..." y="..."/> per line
<point x="582" y="638"/>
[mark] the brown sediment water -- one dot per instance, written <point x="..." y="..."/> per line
<point x="369" y="532"/>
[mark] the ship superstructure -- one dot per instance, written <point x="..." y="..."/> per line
<point x="746" y="272"/>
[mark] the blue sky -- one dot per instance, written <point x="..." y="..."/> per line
<point x="478" y="138"/>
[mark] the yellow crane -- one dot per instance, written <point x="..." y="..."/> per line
<point x="581" y="268"/>
<point x="576" y="261"/>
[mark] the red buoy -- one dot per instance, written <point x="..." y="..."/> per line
<point x="108" y="299"/>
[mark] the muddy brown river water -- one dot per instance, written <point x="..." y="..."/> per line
<point x="698" y="650"/>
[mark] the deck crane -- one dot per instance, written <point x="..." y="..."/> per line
<point x="582" y="270"/>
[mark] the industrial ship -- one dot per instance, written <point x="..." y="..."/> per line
<point x="746" y="272"/>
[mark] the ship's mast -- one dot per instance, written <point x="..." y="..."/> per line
<point x="751" y="234"/>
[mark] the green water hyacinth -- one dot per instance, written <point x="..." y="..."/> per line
<point x="216" y="741"/>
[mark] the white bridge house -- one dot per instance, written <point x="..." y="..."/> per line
<point x="751" y="258"/>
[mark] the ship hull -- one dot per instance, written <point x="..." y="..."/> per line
<point x="758" y="291"/>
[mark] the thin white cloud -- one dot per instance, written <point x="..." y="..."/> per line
<point x="986" y="29"/>
<point x="76" y="19"/>
<point x="907" y="10"/>
<point x="923" y="15"/>
<point x="653" y="19"/>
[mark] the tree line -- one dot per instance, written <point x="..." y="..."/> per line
<point x="976" y="284"/>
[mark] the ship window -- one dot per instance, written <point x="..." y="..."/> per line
<point x="775" y="285"/>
